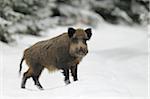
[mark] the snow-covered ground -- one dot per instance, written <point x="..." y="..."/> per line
<point x="116" y="66"/>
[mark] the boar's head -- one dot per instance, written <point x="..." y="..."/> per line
<point x="78" y="41"/>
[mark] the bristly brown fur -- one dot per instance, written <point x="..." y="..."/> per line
<point x="57" y="53"/>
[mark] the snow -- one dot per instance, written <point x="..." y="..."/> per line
<point x="116" y="67"/>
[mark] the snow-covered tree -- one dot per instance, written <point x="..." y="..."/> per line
<point x="33" y="16"/>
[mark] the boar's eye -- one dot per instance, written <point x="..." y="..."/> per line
<point x="75" y="40"/>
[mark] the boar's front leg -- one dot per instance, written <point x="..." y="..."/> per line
<point x="66" y="74"/>
<point x="74" y="73"/>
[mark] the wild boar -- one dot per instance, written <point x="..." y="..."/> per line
<point x="63" y="52"/>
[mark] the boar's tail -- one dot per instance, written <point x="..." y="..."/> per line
<point x="21" y="65"/>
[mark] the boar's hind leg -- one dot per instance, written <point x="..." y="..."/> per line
<point x="26" y="75"/>
<point x="36" y="76"/>
<point x="74" y="73"/>
<point x="66" y="74"/>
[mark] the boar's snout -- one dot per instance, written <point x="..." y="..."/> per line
<point x="83" y="50"/>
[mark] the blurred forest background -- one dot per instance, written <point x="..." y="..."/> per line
<point x="33" y="16"/>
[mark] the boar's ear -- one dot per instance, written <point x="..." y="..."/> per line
<point x="89" y="33"/>
<point x="71" y="31"/>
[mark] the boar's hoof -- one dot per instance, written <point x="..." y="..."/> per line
<point x="23" y="87"/>
<point x="40" y="87"/>
<point x="67" y="82"/>
<point x="75" y="79"/>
